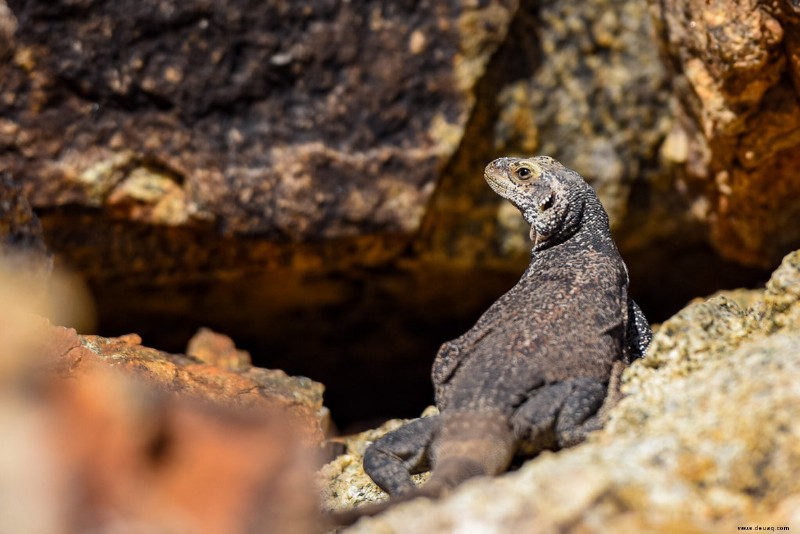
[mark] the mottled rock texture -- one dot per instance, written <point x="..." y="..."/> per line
<point x="22" y="244"/>
<point x="208" y="380"/>
<point x="285" y="120"/>
<point x="705" y="441"/>
<point x="581" y="82"/>
<point x="735" y="139"/>
<point x="343" y="483"/>
<point x="307" y="176"/>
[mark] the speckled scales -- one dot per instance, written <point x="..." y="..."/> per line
<point x="539" y="369"/>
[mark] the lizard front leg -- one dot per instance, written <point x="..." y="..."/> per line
<point x="393" y="458"/>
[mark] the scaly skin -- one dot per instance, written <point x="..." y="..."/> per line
<point x="539" y="368"/>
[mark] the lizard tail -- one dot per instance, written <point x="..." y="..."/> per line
<point x="471" y="443"/>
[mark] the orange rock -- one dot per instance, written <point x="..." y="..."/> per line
<point x="153" y="462"/>
<point x="299" y="397"/>
<point x="217" y="349"/>
<point x="138" y="439"/>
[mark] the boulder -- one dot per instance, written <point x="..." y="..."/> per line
<point x="735" y="137"/>
<point x="705" y="440"/>
<point x="299" y="122"/>
<point x="308" y="178"/>
<point x="105" y="434"/>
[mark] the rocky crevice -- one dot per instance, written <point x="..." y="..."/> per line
<point x="308" y="180"/>
<point x="705" y="438"/>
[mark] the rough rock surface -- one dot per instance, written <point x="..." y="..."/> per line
<point x="737" y="131"/>
<point x="272" y="169"/>
<point x="337" y="122"/>
<point x="241" y="385"/>
<point x="106" y="435"/>
<point x="705" y="441"/>
<point x="284" y="120"/>
<point x="343" y="483"/>
<point x="578" y="81"/>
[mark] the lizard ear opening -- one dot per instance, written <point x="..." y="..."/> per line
<point x="547" y="202"/>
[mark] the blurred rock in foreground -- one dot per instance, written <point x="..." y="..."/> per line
<point x="104" y="435"/>
<point x="707" y="439"/>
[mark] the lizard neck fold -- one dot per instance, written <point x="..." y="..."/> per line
<point x="586" y="227"/>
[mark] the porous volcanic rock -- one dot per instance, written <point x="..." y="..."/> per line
<point x="705" y="440"/>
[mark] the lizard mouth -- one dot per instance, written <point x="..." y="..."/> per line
<point x="499" y="187"/>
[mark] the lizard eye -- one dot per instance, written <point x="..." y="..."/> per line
<point x="524" y="173"/>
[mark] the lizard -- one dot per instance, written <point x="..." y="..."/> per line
<point x="540" y="368"/>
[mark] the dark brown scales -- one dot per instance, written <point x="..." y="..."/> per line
<point x="539" y="369"/>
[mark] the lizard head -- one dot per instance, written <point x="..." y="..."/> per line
<point x="551" y="197"/>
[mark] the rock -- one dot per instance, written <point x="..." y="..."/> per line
<point x="283" y="169"/>
<point x="165" y="464"/>
<point x="187" y="376"/>
<point x="705" y="440"/>
<point x="738" y="120"/>
<point x="217" y="349"/>
<point x="103" y="434"/>
<point x="8" y="25"/>
<point x="343" y="483"/>
<point x="172" y="122"/>
<point x="106" y="435"/>
<point x="581" y="82"/>
<point x="22" y="247"/>
<point x="29" y="283"/>
<point x="25" y="267"/>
